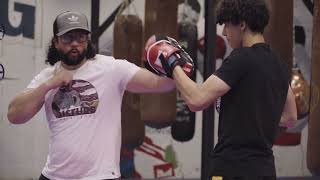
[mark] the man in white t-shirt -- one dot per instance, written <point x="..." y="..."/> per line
<point x="82" y="94"/>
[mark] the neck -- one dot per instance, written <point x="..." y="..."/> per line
<point x="73" y="67"/>
<point x="250" y="38"/>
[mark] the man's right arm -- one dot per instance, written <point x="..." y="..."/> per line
<point x="199" y="96"/>
<point x="27" y="103"/>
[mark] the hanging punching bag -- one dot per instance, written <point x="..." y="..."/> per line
<point x="313" y="147"/>
<point x="182" y="128"/>
<point x="279" y="34"/>
<point x="159" y="110"/>
<point x="128" y="45"/>
<point x="220" y="47"/>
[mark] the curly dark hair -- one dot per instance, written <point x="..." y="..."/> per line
<point x="253" y="12"/>
<point x="53" y="54"/>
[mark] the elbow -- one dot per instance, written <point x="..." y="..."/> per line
<point x="294" y="119"/>
<point x="13" y="118"/>
<point x="198" y="100"/>
<point x="194" y="108"/>
<point x="291" y="122"/>
<point x="196" y="104"/>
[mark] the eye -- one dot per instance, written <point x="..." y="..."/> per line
<point x="66" y="38"/>
<point x="83" y="37"/>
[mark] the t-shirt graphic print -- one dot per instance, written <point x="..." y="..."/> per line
<point x="78" y="98"/>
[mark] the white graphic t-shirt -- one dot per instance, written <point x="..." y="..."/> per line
<point x="85" y="119"/>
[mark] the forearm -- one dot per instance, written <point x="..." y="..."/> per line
<point x="146" y="82"/>
<point x="189" y="90"/>
<point x="163" y="84"/>
<point x="289" y="114"/>
<point x="287" y="122"/>
<point x="26" y="104"/>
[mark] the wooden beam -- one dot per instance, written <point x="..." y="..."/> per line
<point x="279" y="32"/>
<point x="313" y="147"/>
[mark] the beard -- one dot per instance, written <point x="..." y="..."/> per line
<point x="65" y="57"/>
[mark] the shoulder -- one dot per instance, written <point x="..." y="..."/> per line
<point x="111" y="63"/>
<point x="102" y="59"/>
<point x="240" y="52"/>
<point x="238" y="55"/>
<point x="42" y="76"/>
<point x="109" y="60"/>
<point x="48" y="71"/>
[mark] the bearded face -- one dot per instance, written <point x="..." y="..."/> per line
<point x="72" y="47"/>
<point x="72" y="57"/>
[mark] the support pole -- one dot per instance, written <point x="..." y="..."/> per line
<point x="209" y="68"/>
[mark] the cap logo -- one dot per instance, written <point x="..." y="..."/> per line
<point x="73" y="18"/>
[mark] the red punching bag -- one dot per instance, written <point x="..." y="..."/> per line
<point x="220" y="50"/>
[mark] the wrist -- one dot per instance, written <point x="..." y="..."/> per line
<point x="47" y="86"/>
<point x="173" y="62"/>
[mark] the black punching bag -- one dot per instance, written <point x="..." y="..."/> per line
<point x="183" y="128"/>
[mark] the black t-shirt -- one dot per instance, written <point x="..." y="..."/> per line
<point x="250" y="111"/>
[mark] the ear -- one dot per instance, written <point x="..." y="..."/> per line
<point x="55" y="42"/>
<point x="243" y="26"/>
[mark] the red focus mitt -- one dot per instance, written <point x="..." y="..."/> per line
<point x="163" y="54"/>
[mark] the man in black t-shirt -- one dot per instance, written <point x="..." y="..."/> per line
<point x="253" y="84"/>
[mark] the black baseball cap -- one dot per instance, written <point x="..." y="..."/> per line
<point x="70" y="20"/>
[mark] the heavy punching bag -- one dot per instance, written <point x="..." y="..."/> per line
<point x="279" y="34"/>
<point x="313" y="147"/>
<point x="158" y="110"/>
<point x="128" y="35"/>
<point x="183" y="127"/>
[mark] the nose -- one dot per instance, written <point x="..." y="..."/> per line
<point x="74" y="42"/>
